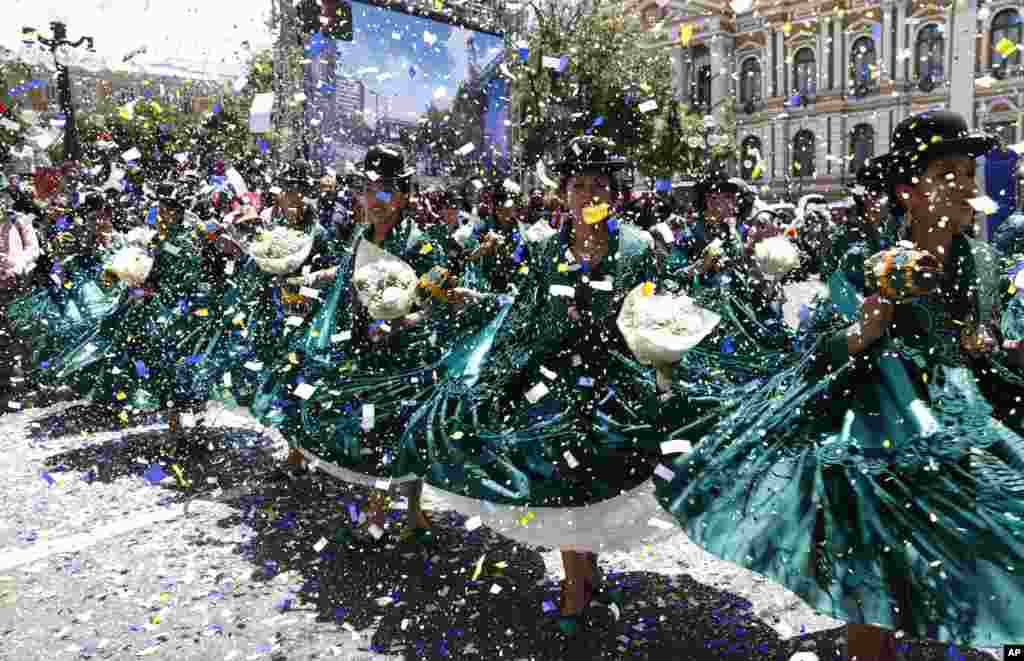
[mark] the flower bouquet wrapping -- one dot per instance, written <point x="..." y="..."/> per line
<point x="660" y="328"/>
<point x="387" y="288"/>
<point x="281" y="251"/>
<point x="776" y="257"/>
<point x="131" y="265"/>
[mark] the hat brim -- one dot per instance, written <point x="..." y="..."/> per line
<point x="567" y="168"/>
<point x="971" y="146"/>
<point x="407" y="173"/>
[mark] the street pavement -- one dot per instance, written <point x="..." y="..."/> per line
<point x="113" y="547"/>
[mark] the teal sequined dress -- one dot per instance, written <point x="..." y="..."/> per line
<point x="885" y="488"/>
<point x="344" y="399"/>
<point x="130" y="359"/>
<point x="750" y="344"/>
<point x="547" y="408"/>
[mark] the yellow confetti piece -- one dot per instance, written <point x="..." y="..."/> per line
<point x="457" y="435"/>
<point x="67" y="285"/>
<point x="924" y="377"/>
<point x="685" y="35"/>
<point x="887" y="444"/>
<point x="1011" y="290"/>
<point x="239" y="320"/>
<point x="787" y="28"/>
<point x="524" y="269"/>
<point x="121" y="396"/>
<point x="123" y="417"/>
<point x="202" y="312"/>
<point x="293" y="358"/>
<point x="595" y="214"/>
<point x="526" y="518"/>
<point x="479" y="568"/>
<point x="426" y="249"/>
<point x="563" y="267"/>
<point x="648" y="289"/>
<point x="1005" y="47"/>
<point x="756" y="172"/>
<point x="179" y="475"/>
<point x="154" y="619"/>
<point x="501" y="565"/>
<point x="936" y="138"/>
<point x="165" y="597"/>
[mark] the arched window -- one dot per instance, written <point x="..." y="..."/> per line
<point x="700" y="79"/>
<point x="750" y="81"/>
<point x="803" y="154"/>
<point x="1006" y="25"/>
<point x="929" y="53"/>
<point x="863" y="60"/>
<point x="804" y="72"/>
<point x="750" y="150"/>
<point x="862" y="146"/>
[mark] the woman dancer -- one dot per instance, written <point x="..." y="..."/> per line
<point x="878" y="481"/>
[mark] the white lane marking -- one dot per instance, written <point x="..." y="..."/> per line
<point x="75" y="543"/>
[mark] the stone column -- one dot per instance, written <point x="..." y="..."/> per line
<point x="823" y="50"/>
<point x="962" y="19"/>
<point x="885" y="45"/>
<point x="901" y="42"/>
<point x="721" y="50"/>
<point x="770" y="65"/>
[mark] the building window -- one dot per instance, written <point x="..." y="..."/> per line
<point x="862" y="146"/>
<point x="751" y="153"/>
<point x="1006" y="25"/>
<point x="804" y="72"/>
<point x="863" y="60"/>
<point x="930" y="48"/>
<point x="700" y="80"/>
<point x="803" y="154"/>
<point x="750" y="81"/>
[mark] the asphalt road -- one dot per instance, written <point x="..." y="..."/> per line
<point x="106" y="553"/>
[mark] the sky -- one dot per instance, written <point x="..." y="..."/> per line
<point x="201" y="32"/>
<point x="409" y="60"/>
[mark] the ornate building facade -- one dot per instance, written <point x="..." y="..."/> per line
<point x="819" y="85"/>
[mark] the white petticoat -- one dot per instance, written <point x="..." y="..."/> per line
<point x="622" y="523"/>
<point x="625" y="522"/>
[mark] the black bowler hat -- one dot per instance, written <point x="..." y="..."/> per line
<point x="922" y="138"/>
<point x="386" y="162"/>
<point x="297" y="175"/>
<point x="589" y="153"/>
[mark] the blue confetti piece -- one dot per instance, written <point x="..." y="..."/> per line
<point x="151" y="218"/>
<point x="613" y="225"/>
<point x="141" y="370"/>
<point x="46" y="477"/>
<point x="524" y="54"/>
<point x="353" y="512"/>
<point x="193" y="360"/>
<point x="805" y="314"/>
<point x="728" y="345"/>
<point x="663" y="185"/>
<point x="63" y="223"/>
<point x="585" y="382"/>
<point x="384" y="196"/>
<point x="599" y="121"/>
<point x="262" y="144"/>
<point x="412" y="72"/>
<point x="155" y="474"/>
<point x="212" y="227"/>
<point x="563" y="63"/>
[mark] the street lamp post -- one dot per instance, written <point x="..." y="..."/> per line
<point x="59" y="40"/>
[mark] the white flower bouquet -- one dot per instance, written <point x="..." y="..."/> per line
<point x="281" y="251"/>
<point x="387" y="288"/>
<point x="539" y="231"/>
<point x="776" y="257"/>
<point x="131" y="265"/>
<point x="659" y="329"/>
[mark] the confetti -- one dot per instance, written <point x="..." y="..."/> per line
<point x="304" y="391"/>
<point x="648" y="106"/>
<point x="536" y="393"/>
<point x="466" y="149"/>
<point x="473" y="523"/>
<point x="676" y="447"/>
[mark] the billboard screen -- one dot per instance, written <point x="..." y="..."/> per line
<point x="401" y="73"/>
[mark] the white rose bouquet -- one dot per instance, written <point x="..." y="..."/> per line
<point x="659" y="329"/>
<point x="387" y="288"/>
<point x="131" y="265"/>
<point x="281" y="251"/>
<point x="539" y="231"/>
<point x="776" y="257"/>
